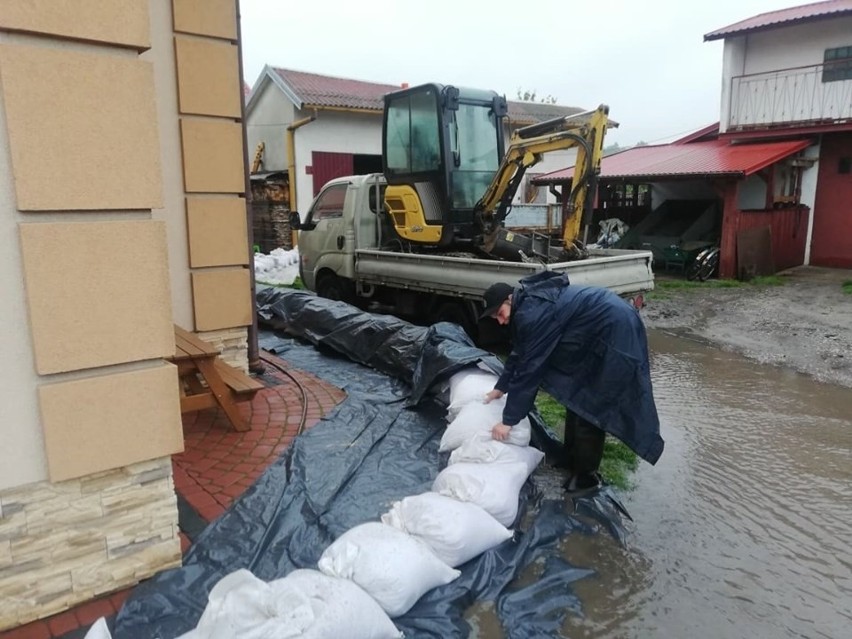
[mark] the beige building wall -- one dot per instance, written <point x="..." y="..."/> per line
<point x="121" y="213"/>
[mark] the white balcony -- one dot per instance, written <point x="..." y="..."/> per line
<point x="786" y="97"/>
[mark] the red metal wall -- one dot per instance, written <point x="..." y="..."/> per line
<point x="327" y="166"/>
<point x="788" y="228"/>
<point x="831" y="244"/>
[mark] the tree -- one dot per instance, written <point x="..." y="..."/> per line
<point x="529" y="96"/>
<point x="611" y="148"/>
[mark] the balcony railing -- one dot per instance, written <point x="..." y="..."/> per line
<point x="789" y="96"/>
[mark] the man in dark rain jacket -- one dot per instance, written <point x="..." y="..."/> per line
<point x="586" y="347"/>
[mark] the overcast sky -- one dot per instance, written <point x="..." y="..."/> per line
<point x="646" y="59"/>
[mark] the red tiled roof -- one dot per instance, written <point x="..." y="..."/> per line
<point x="699" y="159"/>
<point x="328" y="91"/>
<point x="315" y="90"/>
<point x="785" y="17"/>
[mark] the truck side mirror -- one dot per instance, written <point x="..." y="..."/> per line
<point x="297" y="225"/>
<point x="294" y="220"/>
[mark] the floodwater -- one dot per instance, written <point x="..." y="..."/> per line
<point x="743" y="529"/>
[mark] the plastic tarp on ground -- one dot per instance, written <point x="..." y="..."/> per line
<point x="377" y="446"/>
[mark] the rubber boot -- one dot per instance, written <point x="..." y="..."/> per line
<point x="583" y="446"/>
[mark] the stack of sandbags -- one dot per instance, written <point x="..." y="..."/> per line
<point x="482" y="470"/>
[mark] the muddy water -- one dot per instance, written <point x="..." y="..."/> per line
<point x="744" y="527"/>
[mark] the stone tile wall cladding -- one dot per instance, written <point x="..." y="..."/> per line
<point x="232" y="344"/>
<point x="68" y="542"/>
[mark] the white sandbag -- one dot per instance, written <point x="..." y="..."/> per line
<point x="341" y="608"/>
<point x="483" y="448"/>
<point x="305" y="604"/>
<point x="469" y="385"/>
<point x="392" y="567"/>
<point x="478" y="417"/>
<point x="99" y="630"/>
<point x="494" y="487"/>
<point x="241" y="605"/>
<point x="455" y="531"/>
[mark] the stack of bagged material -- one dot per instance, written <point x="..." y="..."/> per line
<point x="379" y="570"/>
<point x="481" y="470"/>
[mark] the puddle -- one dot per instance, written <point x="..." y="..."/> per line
<point x="744" y="528"/>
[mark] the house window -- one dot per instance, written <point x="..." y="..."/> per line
<point x="837" y="64"/>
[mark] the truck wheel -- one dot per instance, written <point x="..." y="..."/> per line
<point x="332" y="287"/>
<point x="456" y="313"/>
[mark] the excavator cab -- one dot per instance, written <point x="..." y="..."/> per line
<point x="450" y="183"/>
<point x="441" y="148"/>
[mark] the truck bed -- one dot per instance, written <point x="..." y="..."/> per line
<point x="622" y="271"/>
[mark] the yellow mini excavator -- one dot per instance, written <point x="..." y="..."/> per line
<point x="450" y="184"/>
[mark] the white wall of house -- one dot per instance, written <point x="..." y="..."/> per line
<point x="550" y="162"/>
<point x="786" y="48"/>
<point x="333" y="132"/>
<point x="808" y="195"/>
<point x="267" y="121"/>
<point x="173" y="213"/>
<point x="797" y="45"/>
<point x="22" y="458"/>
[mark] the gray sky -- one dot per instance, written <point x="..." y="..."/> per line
<point x="646" y="59"/>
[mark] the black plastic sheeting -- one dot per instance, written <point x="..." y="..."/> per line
<point x="377" y="446"/>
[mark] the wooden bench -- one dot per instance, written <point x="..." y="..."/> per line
<point x="207" y="382"/>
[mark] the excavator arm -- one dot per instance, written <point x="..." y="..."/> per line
<point x="526" y="148"/>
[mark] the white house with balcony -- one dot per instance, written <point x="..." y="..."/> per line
<point x="788" y="75"/>
<point x="772" y="181"/>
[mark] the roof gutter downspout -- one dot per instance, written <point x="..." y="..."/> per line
<point x="291" y="165"/>
<point x="253" y="352"/>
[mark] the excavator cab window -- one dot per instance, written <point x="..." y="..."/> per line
<point x="413" y="133"/>
<point x="476" y="153"/>
<point x="441" y="148"/>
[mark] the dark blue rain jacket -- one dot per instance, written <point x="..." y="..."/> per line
<point x="586" y="347"/>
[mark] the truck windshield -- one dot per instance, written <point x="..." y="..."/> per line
<point x="476" y="154"/>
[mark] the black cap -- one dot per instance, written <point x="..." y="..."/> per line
<point x="494" y="297"/>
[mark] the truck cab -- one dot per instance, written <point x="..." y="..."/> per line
<point x="343" y="217"/>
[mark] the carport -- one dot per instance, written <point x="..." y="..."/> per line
<point x="757" y="186"/>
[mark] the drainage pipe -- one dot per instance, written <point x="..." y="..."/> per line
<point x="291" y="165"/>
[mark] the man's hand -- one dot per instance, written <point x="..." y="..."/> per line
<point x="492" y="395"/>
<point x="500" y="432"/>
